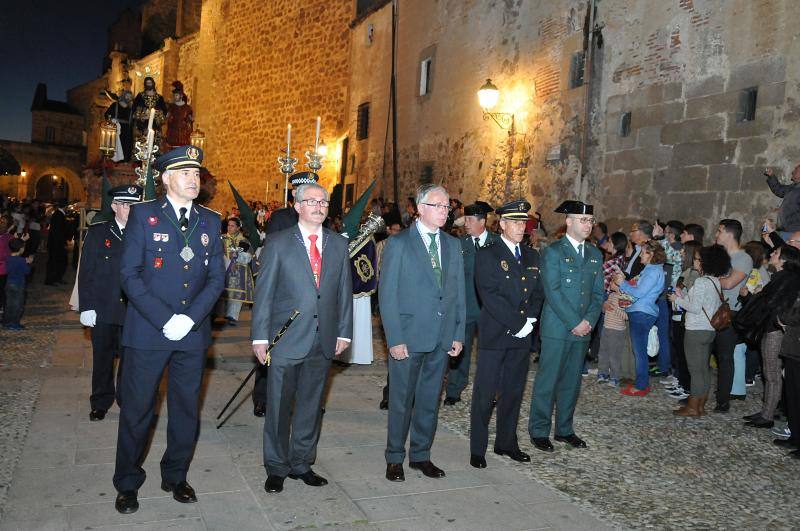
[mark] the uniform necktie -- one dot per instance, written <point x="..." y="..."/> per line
<point x="433" y="250"/>
<point x="580" y="250"/>
<point x="517" y="254"/>
<point x="316" y="259"/>
<point x="184" y="223"/>
<point x="477" y="243"/>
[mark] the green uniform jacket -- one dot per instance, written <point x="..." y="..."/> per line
<point x="468" y="252"/>
<point x="573" y="289"/>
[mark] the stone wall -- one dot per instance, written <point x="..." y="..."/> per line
<point x="44" y="160"/>
<point x="66" y="128"/>
<point x="261" y="65"/>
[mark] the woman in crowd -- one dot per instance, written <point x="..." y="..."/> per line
<point x="643" y="312"/>
<point x="758" y="322"/>
<point x="239" y="285"/>
<point x="700" y="304"/>
<point x="689" y="274"/>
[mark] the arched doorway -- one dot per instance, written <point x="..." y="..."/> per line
<point x="52" y="188"/>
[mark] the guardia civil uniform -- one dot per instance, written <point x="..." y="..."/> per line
<point x="573" y="287"/>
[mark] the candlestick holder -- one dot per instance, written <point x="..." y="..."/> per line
<point x="286" y="164"/>
<point x="314" y="160"/>
<point x="145" y="162"/>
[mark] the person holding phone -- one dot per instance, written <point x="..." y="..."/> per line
<point x="789" y="211"/>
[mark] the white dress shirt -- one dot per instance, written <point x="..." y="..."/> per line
<point x="426" y="239"/>
<point x="575" y="243"/>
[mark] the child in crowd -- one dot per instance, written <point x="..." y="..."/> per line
<point x="613" y="340"/>
<point x="17" y="268"/>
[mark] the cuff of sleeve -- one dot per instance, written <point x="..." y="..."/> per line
<point x="260" y="342"/>
<point x="339" y="338"/>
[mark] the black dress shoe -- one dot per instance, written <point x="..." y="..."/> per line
<point x="97" y="414"/>
<point x="543" y="444"/>
<point x="384" y="404"/>
<point x="739" y="397"/>
<point x="126" y="502"/>
<point x="259" y="410"/>
<point x="752" y="417"/>
<point x="572" y="439"/>
<point x="427" y="468"/>
<point x="722" y="408"/>
<point x="477" y="461"/>
<point x="517" y="455"/>
<point x="394" y="472"/>
<point x="310" y="478"/>
<point x="274" y="483"/>
<point x="181" y="491"/>
<point x="786" y="443"/>
<point x="761" y="423"/>
<point x="451" y="400"/>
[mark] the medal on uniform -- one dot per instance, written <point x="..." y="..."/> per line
<point x="504" y="265"/>
<point x="187" y="253"/>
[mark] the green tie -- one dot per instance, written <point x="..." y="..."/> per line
<point x="434" y="252"/>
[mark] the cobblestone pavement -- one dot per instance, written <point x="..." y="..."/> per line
<point x="21" y="353"/>
<point x="644" y="467"/>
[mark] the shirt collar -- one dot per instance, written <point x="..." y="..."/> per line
<point x="575" y="243"/>
<point x="482" y="238"/>
<point x="424" y="230"/>
<point x="176" y="209"/>
<point x="305" y="234"/>
<point x="511" y="245"/>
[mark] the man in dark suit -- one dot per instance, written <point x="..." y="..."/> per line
<point x="304" y="268"/>
<point x="508" y="279"/>
<point x="574" y="291"/>
<point x="102" y="303"/>
<point x="57" y="237"/>
<point x="423" y="309"/>
<point x="281" y="219"/>
<point x="173" y="273"/>
<point x="477" y="237"/>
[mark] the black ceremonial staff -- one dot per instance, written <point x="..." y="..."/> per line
<point x="277" y="338"/>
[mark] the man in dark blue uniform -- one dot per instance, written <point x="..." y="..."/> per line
<point x="510" y="288"/>
<point x="173" y="273"/>
<point x="478" y="236"/>
<point x="102" y="303"/>
<point x="281" y="219"/>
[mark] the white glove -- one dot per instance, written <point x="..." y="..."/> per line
<point x="177" y="327"/>
<point x="526" y="329"/>
<point x="89" y="318"/>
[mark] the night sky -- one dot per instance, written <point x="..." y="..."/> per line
<point x="57" y="42"/>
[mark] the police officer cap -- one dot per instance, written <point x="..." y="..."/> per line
<point x="303" y="177"/>
<point x="127" y="193"/>
<point x="574" y="207"/>
<point x="478" y="209"/>
<point x="515" y="210"/>
<point x="180" y="158"/>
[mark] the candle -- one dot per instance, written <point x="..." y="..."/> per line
<point x="152" y="116"/>
<point x="288" y="140"/>
<point x="316" y="141"/>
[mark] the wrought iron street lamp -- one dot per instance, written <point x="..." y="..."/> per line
<point x="488" y="96"/>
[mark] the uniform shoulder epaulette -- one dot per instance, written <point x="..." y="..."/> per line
<point x="143" y="202"/>
<point x="98" y="222"/>
<point x="210" y="210"/>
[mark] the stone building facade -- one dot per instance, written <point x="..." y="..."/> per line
<point x="672" y="108"/>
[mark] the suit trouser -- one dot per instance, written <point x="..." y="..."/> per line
<point x="290" y="438"/>
<point x="416" y="383"/>
<point x="724" y="345"/>
<point x="557" y="383"/>
<point x="773" y="381"/>
<point x="141" y="376"/>
<point x="105" y="347"/>
<point x="458" y="376"/>
<point x="792" y="388"/>
<point x="56" y="264"/>
<point x="504" y="372"/>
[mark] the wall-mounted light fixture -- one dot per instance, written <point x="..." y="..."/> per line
<point x="488" y="96"/>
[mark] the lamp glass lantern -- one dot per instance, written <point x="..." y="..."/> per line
<point x="488" y="95"/>
<point x="108" y="137"/>
<point x="198" y="139"/>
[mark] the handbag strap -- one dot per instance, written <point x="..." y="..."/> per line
<point x="721" y="298"/>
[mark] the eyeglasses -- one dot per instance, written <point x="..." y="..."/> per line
<point x="121" y="204"/>
<point x="586" y="221"/>
<point x="438" y="206"/>
<point x="315" y="202"/>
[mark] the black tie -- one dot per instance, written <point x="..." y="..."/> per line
<point x="477" y="243"/>
<point x="183" y="221"/>
<point x="517" y="254"/>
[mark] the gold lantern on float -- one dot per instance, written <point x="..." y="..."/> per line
<point x="108" y="138"/>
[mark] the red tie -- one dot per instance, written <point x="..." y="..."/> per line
<point x="316" y="259"/>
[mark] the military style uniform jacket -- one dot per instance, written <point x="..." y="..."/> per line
<point x="99" y="286"/>
<point x="468" y="251"/>
<point x="510" y="293"/>
<point x="160" y="283"/>
<point x="573" y="288"/>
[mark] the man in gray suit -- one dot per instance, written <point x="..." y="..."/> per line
<point x="305" y="267"/>
<point x="421" y="295"/>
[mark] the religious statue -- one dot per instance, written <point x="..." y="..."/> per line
<point x="148" y="99"/>
<point x="120" y="112"/>
<point x="179" y="118"/>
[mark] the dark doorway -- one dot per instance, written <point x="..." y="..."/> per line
<point x="52" y="188"/>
